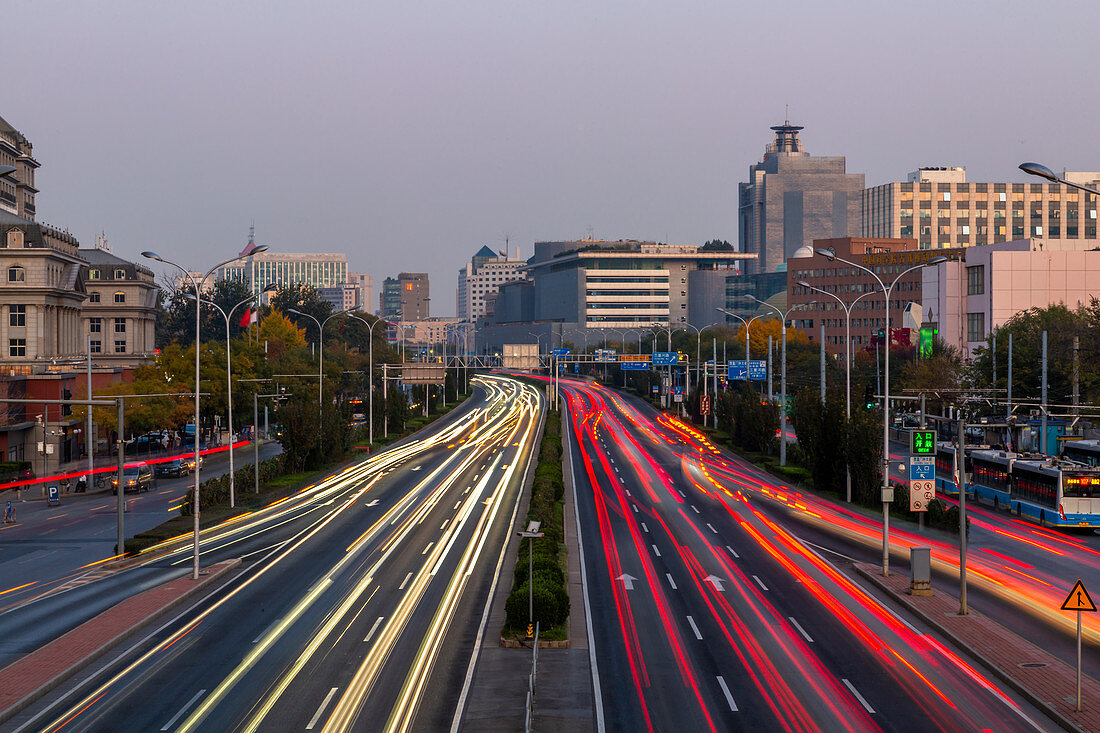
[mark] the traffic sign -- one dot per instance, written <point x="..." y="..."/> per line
<point x="922" y="468"/>
<point x="605" y="354"/>
<point x="53" y="498"/>
<point x="921" y="494"/>
<point x="634" y="357"/>
<point x="561" y="352"/>
<point x="704" y="405"/>
<point x="678" y="393"/>
<point x="1078" y="599"/>
<point x="634" y="365"/>
<point x="757" y="369"/>
<point x="922" y="442"/>
<point x="665" y="358"/>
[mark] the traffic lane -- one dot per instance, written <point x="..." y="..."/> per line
<point x="55" y="544"/>
<point x="306" y="623"/>
<point x="716" y="526"/>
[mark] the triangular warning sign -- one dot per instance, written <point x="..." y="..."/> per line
<point x="1078" y="599"/>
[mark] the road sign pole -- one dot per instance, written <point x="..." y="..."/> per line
<point x="960" y="460"/>
<point x="1078" y="708"/>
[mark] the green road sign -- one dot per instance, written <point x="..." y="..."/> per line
<point x="922" y="442"/>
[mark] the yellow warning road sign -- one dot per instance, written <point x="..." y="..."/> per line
<point x="1078" y="599"/>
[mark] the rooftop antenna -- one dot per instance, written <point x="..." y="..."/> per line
<point x="101" y="242"/>
<point x="786" y="114"/>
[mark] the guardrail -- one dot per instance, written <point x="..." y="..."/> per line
<point x="530" y="707"/>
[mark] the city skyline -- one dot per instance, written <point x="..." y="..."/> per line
<point x="464" y="134"/>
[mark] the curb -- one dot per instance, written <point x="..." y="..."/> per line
<point x="89" y="627"/>
<point x="1003" y="674"/>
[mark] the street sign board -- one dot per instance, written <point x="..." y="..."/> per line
<point x="678" y="393"/>
<point x="561" y="352"/>
<point x="634" y="357"/>
<point x="665" y="358"/>
<point x="704" y="405"/>
<point x="656" y="389"/>
<point x="1078" y="599"/>
<point x="922" y="442"/>
<point x="634" y="365"/>
<point x="922" y="468"/>
<point x="53" y="498"/>
<point x="605" y="354"/>
<point x="757" y="369"/>
<point x="922" y="482"/>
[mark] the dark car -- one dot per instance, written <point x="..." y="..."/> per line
<point x="176" y="467"/>
<point x="134" y="478"/>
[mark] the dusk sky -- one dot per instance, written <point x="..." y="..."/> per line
<point x="410" y="134"/>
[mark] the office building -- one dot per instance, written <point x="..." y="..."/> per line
<point x="939" y="208"/>
<point x="577" y="287"/>
<point x="888" y="258"/>
<point x="17" y="189"/>
<point x="481" y="277"/>
<point x="342" y="297"/>
<point x="966" y="299"/>
<point x="365" y="285"/>
<point x="407" y="294"/>
<point x="792" y="198"/>
<point x="287" y="268"/>
<point x="119" y="317"/>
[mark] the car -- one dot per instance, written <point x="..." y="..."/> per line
<point x="134" y="478"/>
<point x="176" y="467"/>
<point x="189" y="462"/>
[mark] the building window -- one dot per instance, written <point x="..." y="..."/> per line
<point x="120" y="297"/>
<point x="93" y="297"/>
<point x="17" y="316"/>
<point x="975" y="280"/>
<point x="96" y="346"/>
<point x="120" y="325"/>
<point x="17" y="347"/>
<point x="120" y="347"/>
<point x="975" y="327"/>
<point x="95" y="325"/>
<point x="120" y="274"/>
<point x="93" y="274"/>
<point x="17" y="274"/>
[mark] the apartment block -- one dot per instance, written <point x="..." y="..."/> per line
<point x="481" y="278"/>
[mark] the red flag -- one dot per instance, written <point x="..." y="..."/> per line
<point x="247" y="318"/>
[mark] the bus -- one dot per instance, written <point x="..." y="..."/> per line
<point x="1082" y="451"/>
<point x="945" y="466"/>
<point x="1056" y="493"/>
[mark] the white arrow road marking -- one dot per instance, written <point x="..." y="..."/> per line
<point x="716" y="582"/>
<point x="628" y="581"/>
<point x="372" y="503"/>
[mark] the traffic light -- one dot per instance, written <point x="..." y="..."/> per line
<point x="66" y="394"/>
<point x="869" y="398"/>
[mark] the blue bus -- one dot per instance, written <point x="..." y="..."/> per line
<point x="1082" y="451"/>
<point x="946" y="466"/>
<point x="1046" y="490"/>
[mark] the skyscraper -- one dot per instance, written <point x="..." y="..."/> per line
<point x="793" y="198"/>
<point x="481" y="277"/>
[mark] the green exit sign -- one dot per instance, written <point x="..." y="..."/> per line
<point x="922" y="442"/>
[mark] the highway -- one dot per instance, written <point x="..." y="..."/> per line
<point x="708" y="614"/>
<point x="358" y="604"/>
<point x="52" y="547"/>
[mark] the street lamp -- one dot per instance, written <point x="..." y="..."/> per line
<point x="847" y="357"/>
<point x="320" y="346"/>
<point x="1037" y="169"/>
<point x="370" y="367"/>
<point x="887" y="292"/>
<point x="197" y="285"/>
<point x="229" y="374"/>
<point x="747" y="324"/>
<point x="783" y="375"/>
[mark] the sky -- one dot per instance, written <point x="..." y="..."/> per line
<point x="409" y="134"/>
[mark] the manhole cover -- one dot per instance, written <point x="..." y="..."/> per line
<point x="1034" y="664"/>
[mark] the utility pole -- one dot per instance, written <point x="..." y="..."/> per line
<point x="1076" y="375"/>
<point x="960" y="467"/>
<point x="714" y="404"/>
<point x="1043" y="407"/>
<point x="1008" y="411"/>
<point x="770" y="391"/>
<point x="822" y="362"/>
<point x="120" y="403"/>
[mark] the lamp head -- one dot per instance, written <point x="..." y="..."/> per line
<point x="1038" y="169"/>
<point x="270" y="287"/>
<point x="152" y="255"/>
<point x="827" y="254"/>
<point x="259" y="249"/>
<point x="804" y="284"/>
<point x="295" y="312"/>
<point x="936" y="261"/>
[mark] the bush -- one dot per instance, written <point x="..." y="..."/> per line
<point x="551" y="605"/>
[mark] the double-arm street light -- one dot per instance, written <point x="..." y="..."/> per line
<point x="370" y="368"/>
<point x="198" y="285"/>
<point x="887" y="291"/>
<point x="847" y="357"/>
<point x="320" y="347"/>
<point x="783" y="374"/>
<point x="229" y="376"/>
<point x="747" y="322"/>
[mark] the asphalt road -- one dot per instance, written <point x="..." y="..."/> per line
<point x="52" y="546"/>
<point x="357" y="603"/>
<point x="710" y="615"/>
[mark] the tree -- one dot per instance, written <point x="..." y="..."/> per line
<point x="280" y="335"/>
<point x="304" y="298"/>
<point x="176" y="320"/>
<point x="717" y="245"/>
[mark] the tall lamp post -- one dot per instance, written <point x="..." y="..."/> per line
<point x="197" y="285"/>
<point x="370" y="368"/>
<point x="783" y="376"/>
<point x="229" y="376"/>
<point x="747" y="323"/>
<point x="1038" y="169"/>
<point x="320" y="347"/>
<point x="887" y="291"/>
<point x="847" y="307"/>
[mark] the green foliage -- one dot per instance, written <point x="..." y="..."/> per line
<point x="214" y="492"/>
<point x="312" y="436"/>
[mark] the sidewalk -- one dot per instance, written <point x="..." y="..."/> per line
<point x="1043" y="679"/>
<point x="32" y="676"/>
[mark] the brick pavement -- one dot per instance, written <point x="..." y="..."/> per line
<point x="1051" y="685"/>
<point x="30" y="677"/>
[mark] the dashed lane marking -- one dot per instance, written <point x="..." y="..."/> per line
<point x="695" y="628"/>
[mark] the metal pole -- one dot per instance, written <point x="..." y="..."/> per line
<point x="256" y="438"/>
<point x="823" y="362"/>
<point x="714" y="407"/>
<point x="848" y="393"/>
<point x="960" y="460"/>
<point x="120" y="405"/>
<point x="1043" y="424"/>
<point x="1076" y="374"/>
<point x="886" y="443"/>
<point x="994" y="355"/>
<point x="385" y="404"/>
<point x="370" y="380"/>
<point x="530" y="580"/>
<point x="88" y="442"/>
<point x="195" y="505"/>
<point x="1078" y="708"/>
<point x="229" y="393"/>
<point x="783" y="398"/>
<point x="1008" y="410"/>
